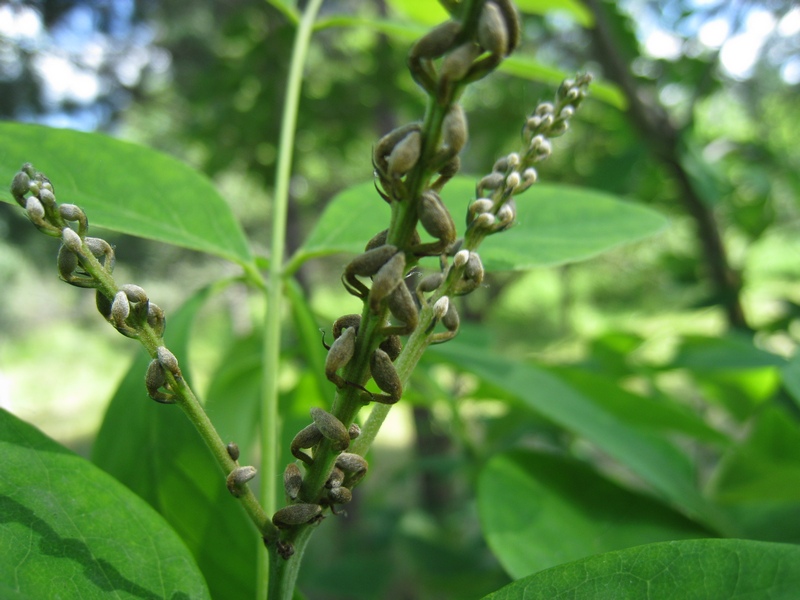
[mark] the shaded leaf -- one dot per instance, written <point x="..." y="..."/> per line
<point x="663" y="416"/>
<point x="125" y="187"/>
<point x="731" y="352"/>
<point x="69" y="530"/>
<point x="683" y="570"/>
<point x="653" y="459"/>
<point x="156" y="452"/>
<point x="538" y="511"/>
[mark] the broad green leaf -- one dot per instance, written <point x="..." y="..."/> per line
<point x="426" y="13"/>
<point x="538" y="511"/>
<point x="660" y="416"/>
<point x="790" y="375"/>
<point x="731" y="352"/>
<point x="766" y="466"/>
<point x="154" y="450"/>
<point x="527" y="67"/>
<point x="574" y="9"/>
<point x="69" y="530"/>
<point x="653" y="459"/>
<point x="682" y="570"/>
<point x="556" y="224"/>
<point x="125" y="187"/>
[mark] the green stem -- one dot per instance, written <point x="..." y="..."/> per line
<point x="186" y="399"/>
<point x="270" y="427"/>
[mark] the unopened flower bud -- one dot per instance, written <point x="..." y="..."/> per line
<point x="332" y="428"/>
<point x="513" y="180"/>
<point x="34" y="209"/>
<point x="238" y="478"/>
<point x="134" y="293"/>
<point x="20" y="186"/>
<point x="544" y="109"/>
<point x="506" y="214"/>
<point x="513" y="160"/>
<point x="492" y="32"/>
<point x="233" y="450"/>
<point x="491" y="182"/>
<point x="292" y="480"/>
<point x="354" y="431"/>
<point x="120" y="309"/>
<point x="484" y="221"/>
<point x="454" y="129"/>
<point x="168" y="361"/>
<point x="71" y="240"/>
<point x="47" y="197"/>
<point x="404" y="155"/>
<point x="296" y="514"/>
<point x="440" y="307"/>
<point x="457" y="63"/>
<point x="461" y="258"/>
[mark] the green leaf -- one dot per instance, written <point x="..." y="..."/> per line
<point x="125" y="187"/>
<point x="660" y="416"/>
<point x="574" y="9"/>
<point x="538" y="511"/>
<point x="730" y="352"/>
<point x="653" y="459"/>
<point x="766" y="466"/>
<point x="68" y="530"/>
<point x="556" y="224"/>
<point x="426" y="13"/>
<point x="683" y="570"/>
<point x="155" y="451"/>
<point x="527" y="67"/>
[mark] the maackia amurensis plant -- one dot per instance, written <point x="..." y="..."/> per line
<point x="411" y="164"/>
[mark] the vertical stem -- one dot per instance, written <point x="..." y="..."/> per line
<point x="270" y="427"/>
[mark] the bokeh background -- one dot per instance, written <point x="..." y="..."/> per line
<point x="697" y="119"/>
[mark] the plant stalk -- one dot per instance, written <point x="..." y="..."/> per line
<point x="270" y="426"/>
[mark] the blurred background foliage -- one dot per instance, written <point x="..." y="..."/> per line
<point x="701" y="321"/>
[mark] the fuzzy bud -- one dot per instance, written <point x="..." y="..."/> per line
<point x="71" y="240"/>
<point x="20" y="186"/>
<point x="296" y="514"/>
<point x="506" y="214"/>
<point x="492" y="181"/>
<point x="454" y="129"/>
<point x="354" y="431"/>
<point x="456" y="64"/>
<point x="168" y="361"/>
<point x="354" y="465"/>
<point x="492" y="32"/>
<point x="513" y="160"/>
<point x="120" y="309"/>
<point x="512" y="181"/>
<point x="461" y="258"/>
<point x="34" y="209"/>
<point x="134" y="293"/>
<point x="404" y="155"/>
<point x="339" y="495"/>
<point x="233" y="450"/>
<point x="332" y="428"/>
<point x="237" y="479"/>
<point x="292" y="481"/>
<point x="440" y="307"/>
<point x="47" y="197"/>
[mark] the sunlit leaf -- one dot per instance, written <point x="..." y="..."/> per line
<point x="683" y="570"/>
<point x="539" y="510"/>
<point x="556" y="224"/>
<point x="69" y="530"/>
<point x="125" y="187"/>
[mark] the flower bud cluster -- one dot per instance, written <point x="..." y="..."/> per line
<point x="494" y="210"/>
<point x="88" y="262"/>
